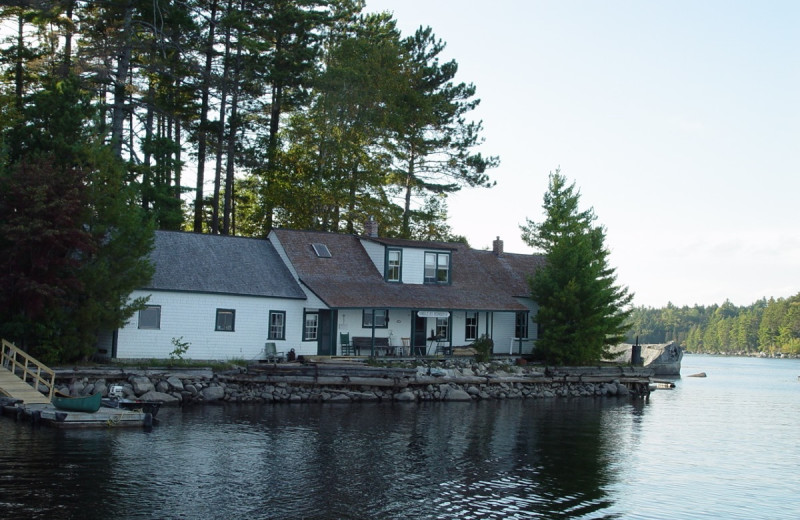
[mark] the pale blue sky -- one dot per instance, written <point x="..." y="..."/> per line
<point x="679" y="121"/>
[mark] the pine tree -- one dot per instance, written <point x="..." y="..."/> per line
<point x="581" y="309"/>
<point x="433" y="144"/>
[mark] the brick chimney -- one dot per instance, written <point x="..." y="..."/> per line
<point x="371" y="227"/>
<point x="497" y="247"/>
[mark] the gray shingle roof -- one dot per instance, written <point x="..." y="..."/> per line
<point x="481" y="280"/>
<point x="220" y="264"/>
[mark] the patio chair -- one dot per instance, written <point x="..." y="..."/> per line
<point x="271" y="353"/>
<point x="442" y="347"/>
<point x="348" y="349"/>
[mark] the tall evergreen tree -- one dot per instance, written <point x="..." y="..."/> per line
<point x="582" y="311"/>
<point x="433" y="143"/>
<point x="333" y="173"/>
<point x="73" y="244"/>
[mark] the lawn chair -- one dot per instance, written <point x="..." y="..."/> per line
<point x="348" y="349"/>
<point x="271" y="354"/>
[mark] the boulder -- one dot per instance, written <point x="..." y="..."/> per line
<point x="141" y="384"/>
<point x="213" y="393"/>
<point x="406" y="395"/>
<point x="100" y="386"/>
<point x="338" y="398"/>
<point x="364" y="396"/>
<point x="75" y="388"/>
<point x="456" y="394"/>
<point x="159" y="397"/>
<point x="175" y="383"/>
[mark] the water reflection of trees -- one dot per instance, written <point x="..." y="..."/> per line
<point x="551" y="458"/>
<point x="492" y="459"/>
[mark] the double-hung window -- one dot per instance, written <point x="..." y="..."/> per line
<point x="150" y="317"/>
<point x="310" y="325"/>
<point x="381" y="317"/>
<point x="443" y="328"/>
<point x="471" y="326"/>
<point x="277" y="325"/>
<point x="394" y="265"/>
<point x="437" y="267"/>
<point x="225" y="320"/>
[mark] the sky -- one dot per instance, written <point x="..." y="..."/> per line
<point x="679" y="122"/>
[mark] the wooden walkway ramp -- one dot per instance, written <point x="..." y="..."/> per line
<point x="21" y="374"/>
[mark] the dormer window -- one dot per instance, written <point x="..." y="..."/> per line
<point x="437" y="268"/>
<point x="394" y="265"/>
<point x="321" y="250"/>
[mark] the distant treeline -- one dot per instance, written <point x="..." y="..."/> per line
<point x="770" y="326"/>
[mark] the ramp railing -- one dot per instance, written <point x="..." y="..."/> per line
<point x="27" y="368"/>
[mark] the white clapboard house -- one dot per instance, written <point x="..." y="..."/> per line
<point x="321" y="293"/>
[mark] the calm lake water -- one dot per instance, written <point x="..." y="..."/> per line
<point x="725" y="447"/>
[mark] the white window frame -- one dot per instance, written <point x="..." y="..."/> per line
<point x="277" y="325"/>
<point x="437" y="267"/>
<point x="222" y="324"/>
<point x="310" y="330"/>
<point x="145" y="319"/>
<point x="394" y="266"/>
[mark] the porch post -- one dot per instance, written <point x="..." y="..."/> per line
<point x="372" y="346"/>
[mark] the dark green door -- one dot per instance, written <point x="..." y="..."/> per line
<point x="326" y="342"/>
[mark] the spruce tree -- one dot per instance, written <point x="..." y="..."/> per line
<point x="73" y="243"/>
<point x="582" y="311"/>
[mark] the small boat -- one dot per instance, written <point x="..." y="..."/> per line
<point x="150" y="407"/>
<point x="88" y="403"/>
<point x="663" y="384"/>
<point x="116" y="399"/>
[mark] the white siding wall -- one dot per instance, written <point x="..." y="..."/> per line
<point x="193" y="317"/>
<point x="376" y="253"/>
<point x="413" y="266"/>
<point x="460" y="324"/>
<point x="503" y="331"/>
<point x="504" y="328"/>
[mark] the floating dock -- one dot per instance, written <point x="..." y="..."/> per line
<point x="20" y="377"/>
<point x="49" y="415"/>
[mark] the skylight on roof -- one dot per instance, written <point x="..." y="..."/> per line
<point x="321" y="250"/>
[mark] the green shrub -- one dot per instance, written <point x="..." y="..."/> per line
<point x="180" y="349"/>
<point x="483" y="347"/>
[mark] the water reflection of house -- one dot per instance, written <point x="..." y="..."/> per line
<point x="227" y="296"/>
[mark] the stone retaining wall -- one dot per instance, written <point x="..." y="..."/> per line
<point x="464" y="383"/>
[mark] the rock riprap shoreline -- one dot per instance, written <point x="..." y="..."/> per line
<point x="448" y="380"/>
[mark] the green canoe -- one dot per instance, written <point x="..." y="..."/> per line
<point x="89" y="403"/>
